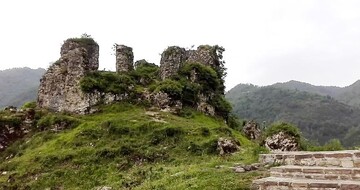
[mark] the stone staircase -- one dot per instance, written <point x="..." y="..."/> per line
<point x="328" y="170"/>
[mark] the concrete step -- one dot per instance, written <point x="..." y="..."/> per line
<point x="347" y="158"/>
<point x="316" y="172"/>
<point x="275" y="183"/>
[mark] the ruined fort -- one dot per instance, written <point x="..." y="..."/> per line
<point x="60" y="89"/>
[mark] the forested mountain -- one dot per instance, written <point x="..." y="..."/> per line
<point x="320" y="118"/>
<point x="349" y="95"/>
<point x="19" y="85"/>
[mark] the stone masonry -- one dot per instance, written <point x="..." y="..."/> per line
<point x="171" y="61"/>
<point x="327" y="170"/>
<point x="59" y="87"/>
<point x="124" y="58"/>
<point x="173" y="58"/>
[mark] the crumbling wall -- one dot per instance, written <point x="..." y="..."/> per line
<point x="59" y="87"/>
<point x="124" y="58"/>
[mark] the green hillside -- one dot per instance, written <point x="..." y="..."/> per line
<point x="349" y="95"/>
<point x="127" y="147"/>
<point x="320" y="118"/>
<point x="19" y="85"/>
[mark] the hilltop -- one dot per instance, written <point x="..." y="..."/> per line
<point x="141" y="127"/>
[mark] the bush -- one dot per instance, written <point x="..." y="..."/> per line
<point x="29" y="105"/>
<point x="205" y="76"/>
<point x="145" y="73"/>
<point x="172" y="134"/>
<point x="58" y="121"/>
<point x="221" y="105"/>
<point x="85" y="40"/>
<point x="283" y="127"/>
<point x="170" y="87"/>
<point x="234" y="122"/>
<point x="107" y="82"/>
<point x="11" y="121"/>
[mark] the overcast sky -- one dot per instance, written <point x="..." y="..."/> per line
<point x="266" y="41"/>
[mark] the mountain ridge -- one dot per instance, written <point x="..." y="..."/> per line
<point x="19" y="85"/>
<point x="320" y="117"/>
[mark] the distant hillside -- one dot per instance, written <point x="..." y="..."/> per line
<point x="19" y="85"/>
<point x="320" y="118"/>
<point x="349" y="95"/>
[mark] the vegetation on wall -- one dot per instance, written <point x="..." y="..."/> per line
<point x="192" y="81"/>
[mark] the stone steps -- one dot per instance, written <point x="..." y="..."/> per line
<point x="316" y="172"/>
<point x="328" y="170"/>
<point x="274" y="183"/>
<point x="349" y="158"/>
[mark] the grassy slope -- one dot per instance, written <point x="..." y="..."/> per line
<point x="125" y="148"/>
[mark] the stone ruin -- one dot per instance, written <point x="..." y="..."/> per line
<point x="124" y="58"/>
<point x="60" y="86"/>
<point x="173" y="58"/>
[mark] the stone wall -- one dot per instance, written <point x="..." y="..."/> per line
<point x="348" y="158"/>
<point x="124" y="58"/>
<point x="173" y="58"/>
<point x="59" y="87"/>
<point x="171" y="61"/>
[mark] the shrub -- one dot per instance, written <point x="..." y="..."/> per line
<point x="204" y="131"/>
<point x="205" y="76"/>
<point x="145" y="73"/>
<point x="234" y="122"/>
<point x="11" y="121"/>
<point x="58" y="121"/>
<point x="221" y="105"/>
<point x="283" y="127"/>
<point x="170" y="87"/>
<point x="211" y="146"/>
<point x="172" y="134"/>
<point x="107" y="82"/>
<point x="29" y="105"/>
<point x="85" y="40"/>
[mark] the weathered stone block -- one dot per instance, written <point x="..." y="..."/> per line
<point x="339" y="155"/>
<point x="124" y="58"/>
<point x="59" y="87"/>
<point x="349" y="187"/>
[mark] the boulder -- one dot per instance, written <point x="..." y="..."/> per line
<point x="227" y="146"/>
<point x="252" y="130"/>
<point x="281" y="142"/>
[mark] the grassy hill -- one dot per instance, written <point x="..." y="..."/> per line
<point x="320" y="118"/>
<point x="127" y="147"/>
<point x="19" y="85"/>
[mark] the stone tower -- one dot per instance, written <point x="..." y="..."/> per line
<point x="171" y="61"/>
<point x="60" y="86"/>
<point x="124" y="58"/>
